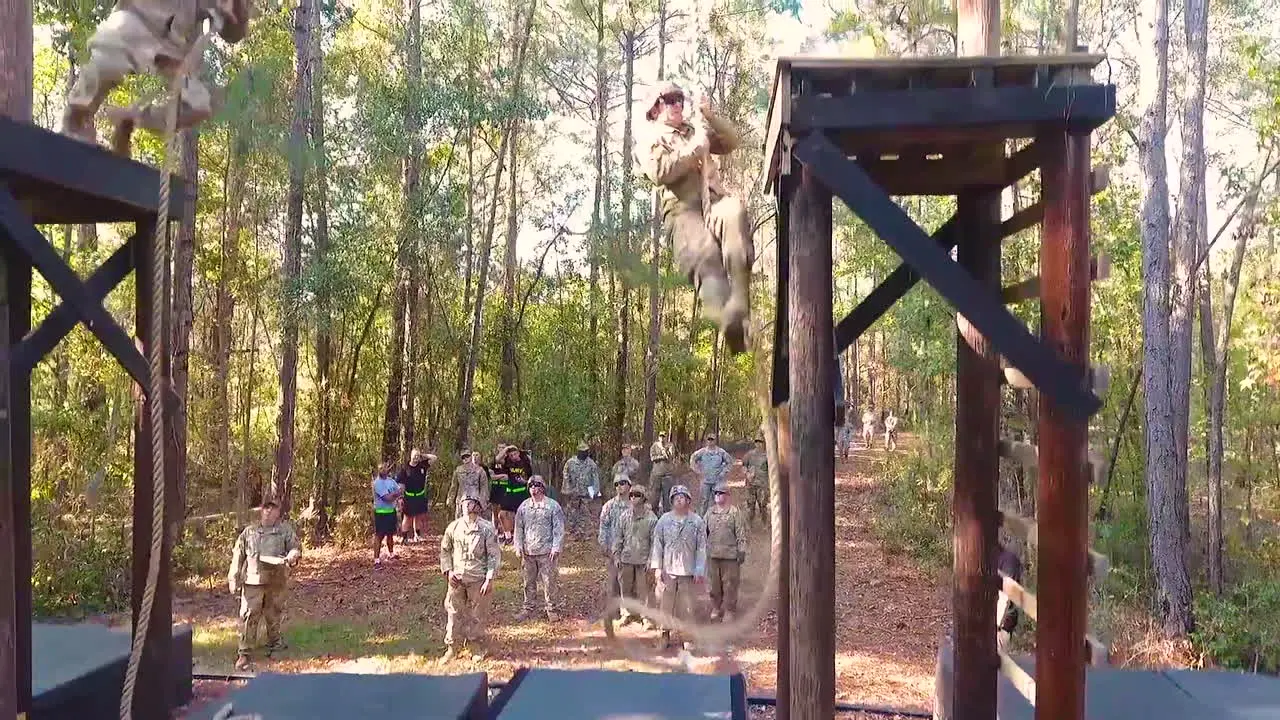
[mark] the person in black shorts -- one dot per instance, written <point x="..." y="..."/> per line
<point x="386" y="491"/>
<point x="416" y="502"/>
<point x="517" y="468"/>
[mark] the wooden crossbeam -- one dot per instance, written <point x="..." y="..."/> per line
<point x="1099" y="378"/>
<point x="67" y="285"/>
<point x="1029" y="289"/>
<point x="1005" y="333"/>
<point x="1031" y="215"/>
<point x="1019" y="595"/>
<point x="1022" y="682"/>
<point x="1028" y="530"/>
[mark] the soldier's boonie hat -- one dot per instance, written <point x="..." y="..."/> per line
<point x="640" y="490"/>
<point x="621" y="480"/>
<point x="657" y="92"/>
<point x="537" y="480"/>
<point x="680" y="490"/>
<point x="583" y="446"/>
<point x="721" y="487"/>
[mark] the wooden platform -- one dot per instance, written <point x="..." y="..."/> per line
<point x="61" y="180"/>
<point x="537" y="693"/>
<point x="347" y="696"/>
<point x="79" y="670"/>
<point x="918" y="125"/>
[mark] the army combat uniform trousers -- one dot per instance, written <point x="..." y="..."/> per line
<point x="661" y="481"/>
<point x="466" y="608"/>
<point x="758" y="503"/>
<point x="261" y="605"/>
<point x="705" y="248"/>
<point x="678" y="596"/>
<point x="722" y="584"/>
<point x="539" y="569"/>
<point x="577" y="514"/>
<point x="634" y="581"/>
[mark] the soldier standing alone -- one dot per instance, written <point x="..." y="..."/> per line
<point x="678" y="558"/>
<point x="660" y="478"/>
<point x="539" y="539"/>
<point x="632" y="543"/>
<point x="711" y="234"/>
<point x="726" y="551"/>
<point x="756" y="463"/>
<point x="581" y="483"/>
<point x="259" y="574"/>
<point x="470" y="555"/>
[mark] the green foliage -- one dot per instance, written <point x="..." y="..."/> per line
<point x="914" y="507"/>
<point x="1241" y="629"/>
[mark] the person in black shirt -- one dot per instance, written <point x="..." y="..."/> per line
<point x="515" y="468"/>
<point x="414" y="479"/>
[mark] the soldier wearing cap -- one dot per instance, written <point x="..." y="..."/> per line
<point x="711" y="463"/>
<point x="259" y="575"/>
<point x="726" y="551"/>
<point x="609" y="515"/>
<point x="661" y="478"/>
<point x="711" y="235"/>
<point x="469" y="559"/>
<point x="470" y="480"/>
<point x="632" y="544"/>
<point x="756" y="463"/>
<point x="539" y="539"/>
<point x="581" y="483"/>
<point x="626" y="465"/>
<point x="678" y="558"/>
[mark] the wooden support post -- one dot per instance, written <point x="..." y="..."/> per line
<point x="1063" y="483"/>
<point x="781" y="378"/>
<point x="977" y="465"/>
<point x="15" y="668"/>
<point x="812" y="371"/>
<point x="150" y="699"/>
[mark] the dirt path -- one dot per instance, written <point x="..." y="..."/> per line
<point x="346" y="616"/>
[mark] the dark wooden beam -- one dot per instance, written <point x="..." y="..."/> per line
<point x="975" y="519"/>
<point x="1006" y="334"/>
<point x="781" y="374"/>
<point x="1031" y="215"/>
<point x="812" y="371"/>
<point x="9" y="620"/>
<point x="786" y="455"/>
<point x="922" y="176"/>
<point x="59" y="322"/>
<point x="150" y="701"/>
<point x="1063" y="486"/>
<point x="903" y="278"/>
<point x="1006" y="111"/>
<point x="66" y="284"/>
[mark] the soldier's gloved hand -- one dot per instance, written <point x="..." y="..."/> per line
<point x="742" y="557"/>
<point x="234" y="587"/>
<point x="292" y="557"/>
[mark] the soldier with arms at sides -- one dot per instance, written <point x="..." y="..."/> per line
<point x="539" y="540"/>
<point x="661" y="477"/>
<point x="259" y="574"/>
<point x="726" y="551"/>
<point x="609" y="515"/>
<point x="632" y="543"/>
<point x="469" y="559"/>
<point x="756" y="463"/>
<point x="711" y="462"/>
<point x="678" y="559"/>
<point x="581" y="484"/>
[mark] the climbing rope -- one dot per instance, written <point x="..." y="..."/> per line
<point x="155" y="360"/>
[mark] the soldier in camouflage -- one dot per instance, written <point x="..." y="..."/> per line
<point x="581" y="483"/>
<point x="538" y="540"/>
<point x="711" y="463"/>
<point x="470" y="555"/>
<point x="711" y="233"/>
<point x="632" y="543"/>
<point x="470" y="481"/>
<point x="678" y="559"/>
<point x="609" y="529"/>
<point x="756" y="463"/>
<point x="259" y="574"/>
<point x="661" y="477"/>
<point x="626" y="465"/>
<point x="726" y="551"/>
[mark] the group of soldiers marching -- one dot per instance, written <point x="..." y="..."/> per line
<point x="669" y="561"/>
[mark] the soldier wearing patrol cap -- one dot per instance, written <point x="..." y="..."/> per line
<point x="661" y="478"/>
<point x="581" y="484"/>
<point x="259" y="575"/>
<point x="632" y="543"/>
<point x="726" y="551"/>
<point x="539" y="540"/>
<point x="711" y="234"/>
<point x="609" y="515"/>
<point x="678" y="558"/>
<point x="470" y="555"/>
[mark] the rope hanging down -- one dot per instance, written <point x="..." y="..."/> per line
<point x="155" y="360"/>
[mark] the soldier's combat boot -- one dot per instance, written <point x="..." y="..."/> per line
<point x="276" y="646"/>
<point x="664" y="640"/>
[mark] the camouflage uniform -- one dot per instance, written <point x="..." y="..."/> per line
<point x="756" y="462"/>
<point x="151" y="37"/>
<point x="679" y="554"/>
<point x="609" y="515"/>
<point x="470" y="554"/>
<point x="626" y="465"/>
<point x="726" y="551"/>
<point x="262" y="586"/>
<point x="539" y="538"/>
<point x="469" y="480"/>
<point x="632" y="544"/>
<point x="580" y="474"/>
<point x="712" y="464"/>
<point x="708" y="239"/>
<point x="661" y="477"/>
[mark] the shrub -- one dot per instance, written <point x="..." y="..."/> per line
<point x="1241" y="629"/>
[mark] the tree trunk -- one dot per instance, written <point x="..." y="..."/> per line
<point x="183" y="265"/>
<point x="283" y="473"/>
<point x="16" y="59"/>
<point x="511" y="268"/>
<point x="463" y="424"/>
<point x="414" y="270"/>
<point x="469" y="261"/>
<point x="224" y="306"/>
<point x="1168" y="538"/>
<point x="624" y="246"/>
<point x="655" y="276"/>
<point x="325" y="481"/>
<point x="599" y="198"/>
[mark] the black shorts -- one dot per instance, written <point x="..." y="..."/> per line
<point x="384" y="524"/>
<point x="415" y="505"/>
<point x="510" y="501"/>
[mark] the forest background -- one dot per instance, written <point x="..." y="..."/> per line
<point x="421" y="225"/>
